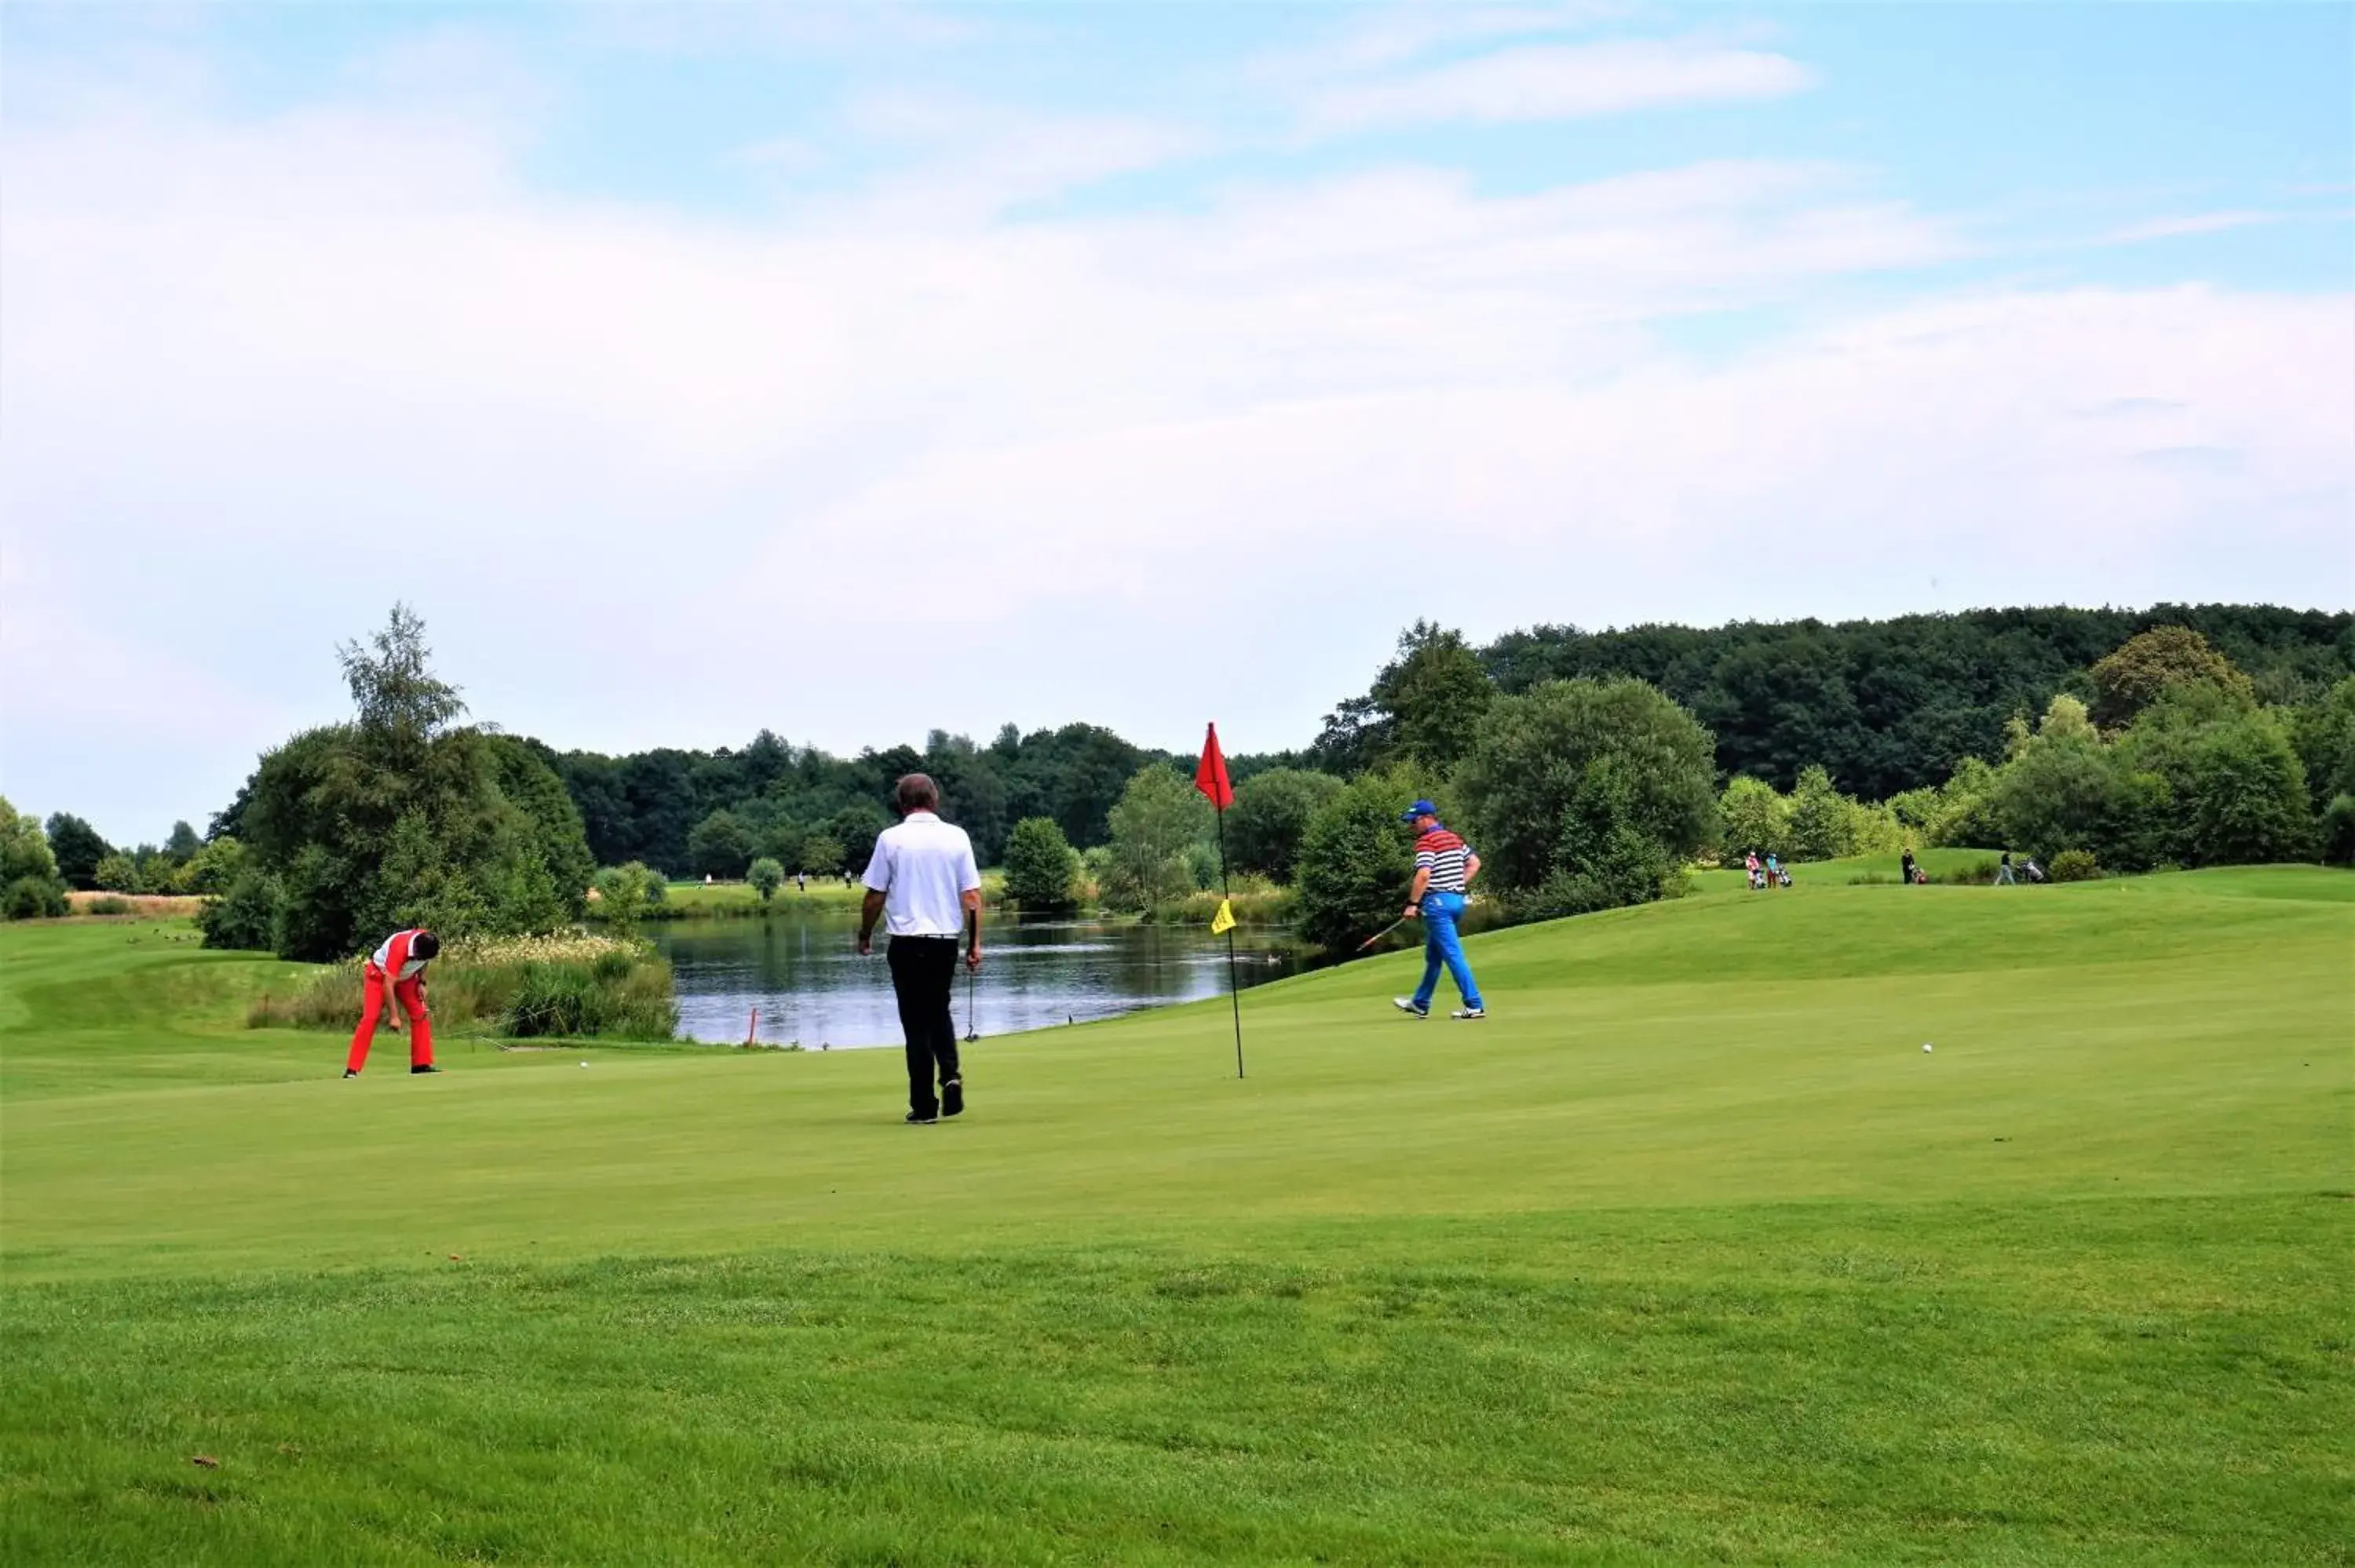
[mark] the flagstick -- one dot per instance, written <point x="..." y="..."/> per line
<point x="1234" y="995"/>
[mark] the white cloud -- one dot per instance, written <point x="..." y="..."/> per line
<point x="1400" y="33"/>
<point x="1557" y="81"/>
<point x="272" y="376"/>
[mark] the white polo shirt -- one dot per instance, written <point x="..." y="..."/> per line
<point x="922" y="867"/>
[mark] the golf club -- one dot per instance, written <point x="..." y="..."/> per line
<point x="971" y="1033"/>
<point x="1380" y="934"/>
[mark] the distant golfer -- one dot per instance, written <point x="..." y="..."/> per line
<point x="397" y="967"/>
<point x="2003" y="876"/>
<point x="1445" y="866"/>
<point x="922" y="882"/>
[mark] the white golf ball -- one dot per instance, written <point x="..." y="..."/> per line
<point x="1925" y="1046"/>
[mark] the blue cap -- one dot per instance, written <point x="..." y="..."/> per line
<point x="1420" y="809"/>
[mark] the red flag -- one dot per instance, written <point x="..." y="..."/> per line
<point x="1211" y="778"/>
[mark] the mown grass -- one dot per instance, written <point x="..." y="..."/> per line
<point x="1972" y="866"/>
<point x="1688" y="1253"/>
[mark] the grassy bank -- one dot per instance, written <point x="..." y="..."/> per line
<point x="1256" y="902"/>
<point x="1688" y="1253"/>
<point x="739" y="900"/>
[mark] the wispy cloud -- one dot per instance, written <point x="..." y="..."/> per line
<point x="958" y="161"/>
<point x="2186" y="224"/>
<point x="1560" y="81"/>
<point x="1391" y="36"/>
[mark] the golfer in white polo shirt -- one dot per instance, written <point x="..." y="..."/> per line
<point x="923" y="884"/>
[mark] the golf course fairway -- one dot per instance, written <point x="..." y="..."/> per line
<point x="1688" y="1253"/>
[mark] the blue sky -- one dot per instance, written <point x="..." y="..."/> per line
<point x="850" y="372"/>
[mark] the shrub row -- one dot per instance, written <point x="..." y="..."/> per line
<point x="525" y="986"/>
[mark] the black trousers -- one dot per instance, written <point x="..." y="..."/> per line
<point x="923" y="978"/>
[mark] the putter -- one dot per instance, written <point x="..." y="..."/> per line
<point x="971" y="1035"/>
<point x="1380" y="934"/>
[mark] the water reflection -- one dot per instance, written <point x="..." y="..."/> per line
<point x="797" y="968"/>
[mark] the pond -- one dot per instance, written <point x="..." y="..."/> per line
<point x="797" y="967"/>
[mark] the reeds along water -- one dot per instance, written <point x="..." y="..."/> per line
<point x="567" y="985"/>
<point x="1256" y="903"/>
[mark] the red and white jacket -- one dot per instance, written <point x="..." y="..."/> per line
<point x="393" y="957"/>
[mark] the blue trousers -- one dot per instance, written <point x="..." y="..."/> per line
<point x="1442" y="945"/>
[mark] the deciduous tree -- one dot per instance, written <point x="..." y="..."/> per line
<point x="78" y="848"/>
<point x="718" y="847"/>
<point x="1271" y="814"/>
<point x="2130" y="678"/>
<point x="1041" y="867"/>
<point x="1159" y="819"/>
<point x="1592" y="793"/>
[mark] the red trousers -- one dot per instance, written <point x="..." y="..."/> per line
<point x="410" y="994"/>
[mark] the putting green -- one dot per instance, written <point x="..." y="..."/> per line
<point x="1688" y="1250"/>
<point x="2175" y="1034"/>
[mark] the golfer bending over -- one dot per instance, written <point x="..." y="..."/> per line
<point x="922" y="882"/>
<point x="397" y="967"/>
<point x="1445" y="866"/>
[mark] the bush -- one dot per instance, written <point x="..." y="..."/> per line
<point x="613" y="997"/>
<point x="108" y="903"/>
<point x="624" y="892"/>
<point x="1041" y="869"/>
<point x="33" y="898"/>
<point x="2339" y="830"/>
<point x="766" y="876"/>
<point x="246" y="916"/>
<point x="1356" y="861"/>
<point x="1254" y="899"/>
<point x="2073" y="865"/>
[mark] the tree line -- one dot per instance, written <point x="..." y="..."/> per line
<point x="1883" y="707"/>
<point x="1581" y="790"/>
<point x="698" y="813"/>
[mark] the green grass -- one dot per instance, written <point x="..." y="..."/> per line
<point x="1688" y="1253"/>
<point x="1938" y="863"/>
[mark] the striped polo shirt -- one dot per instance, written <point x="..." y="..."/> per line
<point x="1442" y="853"/>
<point x="393" y="957"/>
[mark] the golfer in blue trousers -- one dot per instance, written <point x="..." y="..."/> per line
<point x="1445" y="866"/>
